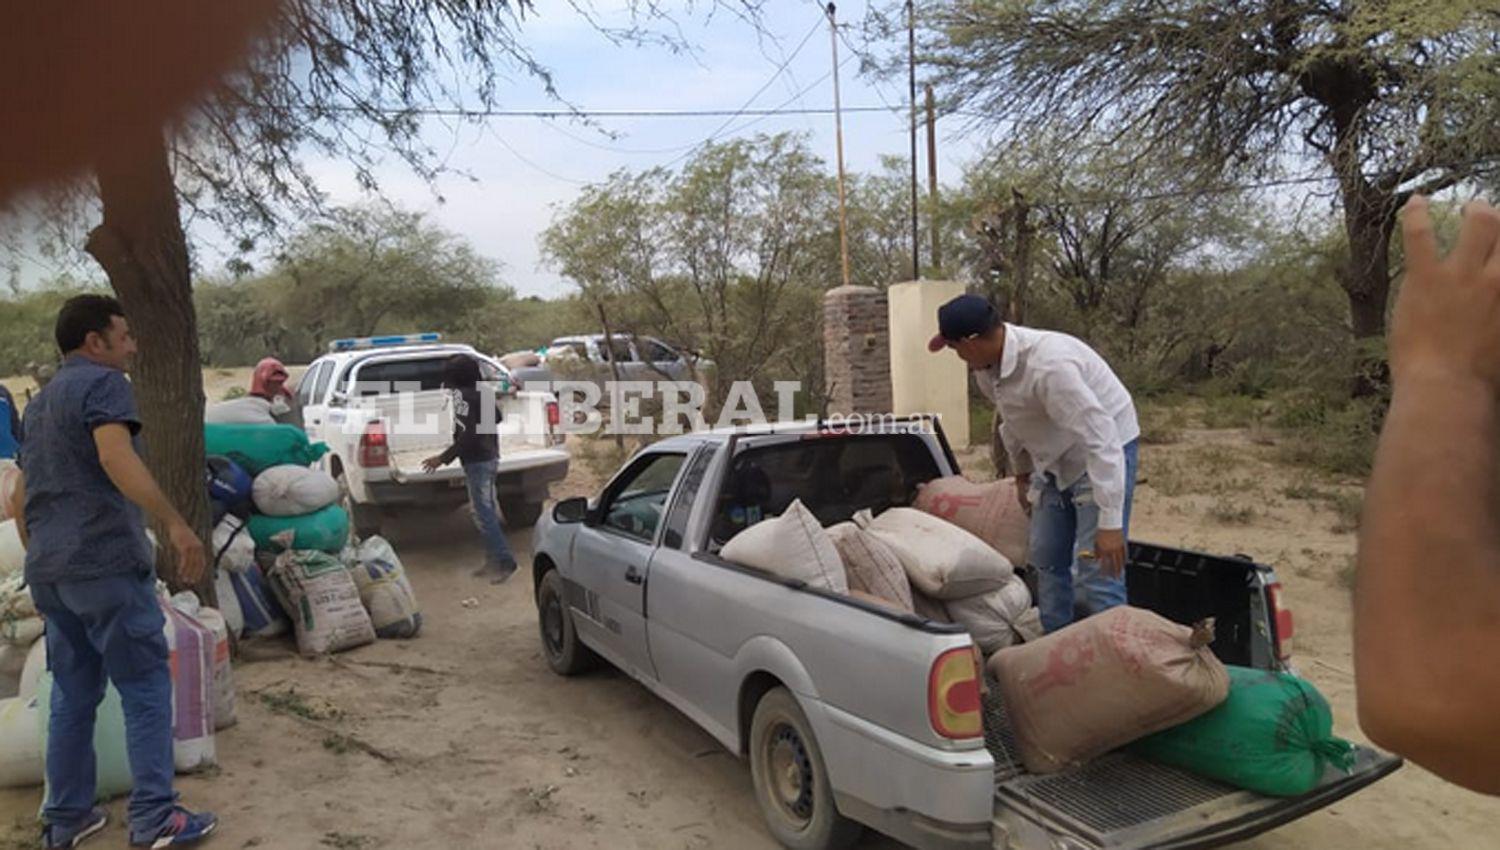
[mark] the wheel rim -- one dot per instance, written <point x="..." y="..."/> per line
<point x="552" y="625"/>
<point x="788" y="778"/>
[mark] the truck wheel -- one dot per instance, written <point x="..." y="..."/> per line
<point x="566" y="654"/>
<point x="791" y="781"/>
<point x="364" y="520"/>
<point x="520" y="514"/>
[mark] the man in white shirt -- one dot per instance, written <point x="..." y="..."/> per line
<point x="1065" y="416"/>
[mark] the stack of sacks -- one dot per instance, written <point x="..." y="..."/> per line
<point x="20" y="624"/>
<point x="384" y="589"/>
<point x="793" y="546"/>
<point x="323" y="600"/>
<point x="286" y="494"/>
<point x="873" y="569"/>
<point x="961" y="576"/>
<point x="1104" y="682"/>
<point x="992" y="512"/>
<point x="188" y="603"/>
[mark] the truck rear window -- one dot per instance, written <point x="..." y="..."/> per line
<point x="835" y="477"/>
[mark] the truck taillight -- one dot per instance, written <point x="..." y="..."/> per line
<point x="1281" y="621"/>
<point x="953" y="695"/>
<point x="554" y="414"/>
<point x="374" y="448"/>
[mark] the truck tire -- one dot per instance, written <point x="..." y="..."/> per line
<point x="364" y="520"/>
<point x="566" y="654"/>
<point x="520" y="514"/>
<point x="791" y="781"/>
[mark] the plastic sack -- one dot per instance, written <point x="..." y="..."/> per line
<point x="257" y="448"/>
<point x="10" y="476"/>
<point x="12" y="552"/>
<point x="872" y="567"/>
<point x="999" y="618"/>
<point x="1273" y="735"/>
<point x="794" y="546"/>
<point x="991" y="512"/>
<point x="326" y="530"/>
<point x="234" y="548"/>
<point x="941" y="559"/>
<point x="323" y="600"/>
<point x="111" y="763"/>
<point x="223" y="678"/>
<point x="229" y="604"/>
<point x="190" y="646"/>
<point x="20" y="625"/>
<point x="1104" y="682"/>
<point x="294" y="491"/>
<point x="264" y="616"/>
<point x="385" y="590"/>
<point x="20" y="743"/>
<point x="229" y="487"/>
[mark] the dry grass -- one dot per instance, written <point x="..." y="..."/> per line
<point x="1226" y="511"/>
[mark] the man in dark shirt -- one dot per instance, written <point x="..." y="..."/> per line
<point x="10" y="425"/>
<point x="90" y="569"/>
<point x="476" y="445"/>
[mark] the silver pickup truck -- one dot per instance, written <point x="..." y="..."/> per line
<point x="840" y="706"/>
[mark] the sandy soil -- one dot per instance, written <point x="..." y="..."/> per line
<point x="463" y="738"/>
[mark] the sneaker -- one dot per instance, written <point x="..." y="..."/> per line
<point x="54" y="836"/>
<point x="496" y="573"/>
<point x="183" y="827"/>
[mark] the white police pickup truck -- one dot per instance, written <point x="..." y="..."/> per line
<point x="379" y="404"/>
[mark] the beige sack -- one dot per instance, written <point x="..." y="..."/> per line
<point x="928" y="608"/>
<point x="793" y="545"/>
<point x="873" y="568"/>
<point x="990" y="512"/>
<point x="999" y="618"/>
<point x="1101" y="683"/>
<point x="941" y="559"/>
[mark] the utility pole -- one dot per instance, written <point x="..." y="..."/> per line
<point x="932" y="181"/>
<point x="911" y="69"/>
<point x="838" y="123"/>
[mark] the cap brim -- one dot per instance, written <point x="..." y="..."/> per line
<point x="937" y="343"/>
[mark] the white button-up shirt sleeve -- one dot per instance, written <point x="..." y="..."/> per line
<point x="1072" y="405"/>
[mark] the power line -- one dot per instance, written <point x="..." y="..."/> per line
<point x="461" y="112"/>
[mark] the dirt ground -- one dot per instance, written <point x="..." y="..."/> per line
<point x="463" y="738"/>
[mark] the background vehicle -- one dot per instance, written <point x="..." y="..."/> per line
<point x="378" y="437"/>
<point x="851" y="713"/>
<point x="588" y="358"/>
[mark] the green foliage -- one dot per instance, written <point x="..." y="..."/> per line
<point x="26" y="325"/>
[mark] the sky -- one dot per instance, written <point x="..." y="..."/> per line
<point x="524" y="169"/>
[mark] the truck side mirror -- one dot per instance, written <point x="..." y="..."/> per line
<point x="571" y="510"/>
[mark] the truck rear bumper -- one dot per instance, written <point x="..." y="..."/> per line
<point x="522" y="476"/>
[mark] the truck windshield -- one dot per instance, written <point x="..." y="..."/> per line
<point x="835" y="477"/>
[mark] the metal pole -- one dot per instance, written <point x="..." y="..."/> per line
<point x="838" y="123"/>
<point x="932" y="183"/>
<point x="911" y="67"/>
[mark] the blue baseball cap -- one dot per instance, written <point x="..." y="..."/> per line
<point x="964" y="317"/>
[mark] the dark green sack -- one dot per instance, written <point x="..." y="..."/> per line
<point x="1273" y="735"/>
<point x="257" y="448"/>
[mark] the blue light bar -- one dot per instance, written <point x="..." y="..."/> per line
<point x="361" y="343"/>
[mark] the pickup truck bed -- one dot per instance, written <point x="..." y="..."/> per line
<point x="1124" y="801"/>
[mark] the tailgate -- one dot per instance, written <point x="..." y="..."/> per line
<point x="1126" y="802"/>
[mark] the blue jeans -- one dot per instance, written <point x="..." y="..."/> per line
<point x="481" y="480"/>
<point x="1064" y="523"/>
<point x="110" y="628"/>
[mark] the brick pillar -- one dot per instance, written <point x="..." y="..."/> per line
<point x="856" y="350"/>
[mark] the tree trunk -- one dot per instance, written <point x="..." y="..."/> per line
<point x="142" y="248"/>
<point x="1369" y="221"/>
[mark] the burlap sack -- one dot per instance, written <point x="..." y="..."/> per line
<point x="873" y="568"/>
<point x="990" y="512"/>
<point x="999" y="618"/>
<point x="1103" y="682"/>
<point x="941" y="559"/>
<point x="793" y="545"/>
